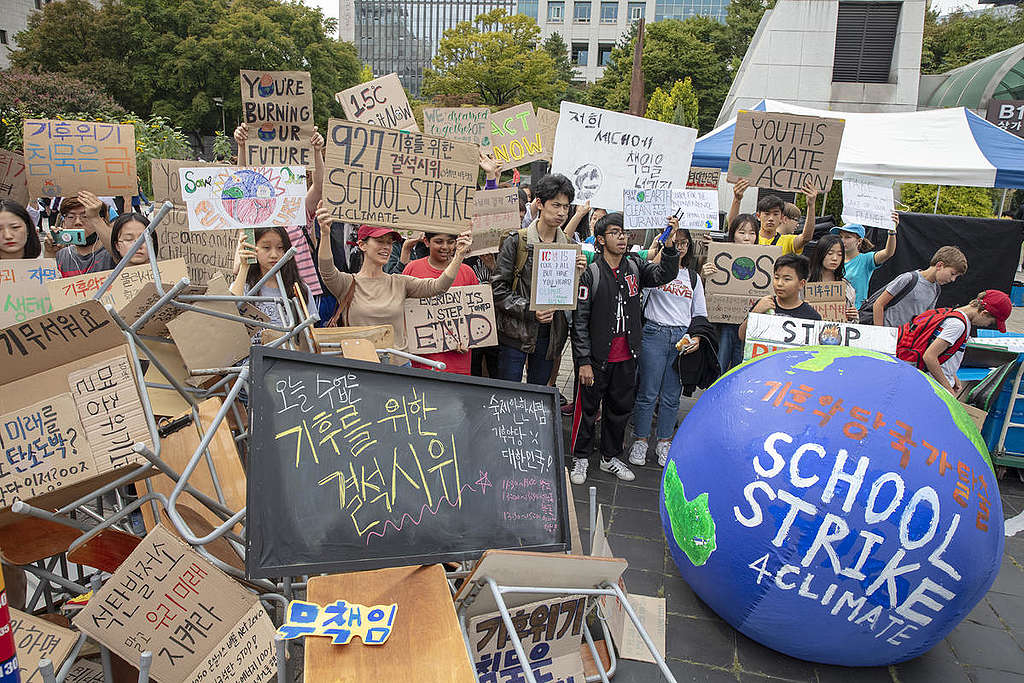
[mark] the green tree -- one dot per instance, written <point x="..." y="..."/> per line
<point x="497" y="56"/>
<point x="958" y="38"/>
<point x="659" y="107"/>
<point x="677" y="106"/>
<point x="741" y="21"/>
<point x="53" y="94"/>
<point x="172" y="57"/>
<point x="954" y="200"/>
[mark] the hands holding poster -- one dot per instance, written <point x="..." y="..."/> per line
<point x="555" y="277"/>
<point x="783" y="151"/>
<point x="228" y="197"/>
<point x="495" y="213"/>
<point x="278" y="106"/>
<point x="12" y="177"/>
<point x="380" y="102"/>
<point x="604" y="153"/>
<point x="458" y="320"/>
<point x="868" y="201"/>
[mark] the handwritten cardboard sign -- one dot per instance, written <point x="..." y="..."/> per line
<point x="766" y="333"/>
<point x="548" y="121"/>
<point x="167" y="599"/>
<point x="36" y="639"/>
<point x="743" y="274"/>
<point x="868" y="200"/>
<point x="550" y="633"/>
<point x="85" y="671"/>
<point x="66" y="157"/>
<point x="399" y="180"/>
<point x="460" y="319"/>
<point x="703" y="178"/>
<point x="604" y="152"/>
<point x="697" y="208"/>
<point x="12" y="177"/>
<point x="555" y="280"/>
<point x="646" y="209"/>
<point x="380" y="102"/>
<point x="205" y="252"/>
<point x="515" y="136"/>
<point x="466" y="124"/>
<point x="167" y="181"/>
<point x="244" y="655"/>
<point x="828" y="299"/>
<point x="340" y="621"/>
<point x="23" y="292"/>
<point x="278" y="106"/>
<point x="783" y="151"/>
<point x="228" y="197"/>
<point x="130" y="281"/>
<point x="495" y="214"/>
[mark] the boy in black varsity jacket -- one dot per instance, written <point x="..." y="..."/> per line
<point x="606" y="332"/>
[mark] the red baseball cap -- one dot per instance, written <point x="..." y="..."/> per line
<point x="998" y="304"/>
<point x="367" y="231"/>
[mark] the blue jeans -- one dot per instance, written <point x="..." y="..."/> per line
<point x="658" y="382"/>
<point x="538" y="368"/>
<point x="730" y="346"/>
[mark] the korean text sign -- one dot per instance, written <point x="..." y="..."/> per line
<point x="604" y="152"/>
<point x="828" y="299"/>
<point x="228" y="197"/>
<point x="554" y="277"/>
<point x="23" y="292"/>
<point x="278" y="108"/>
<point x="12" y="177"/>
<point x="380" y="102"/>
<point x="65" y="157"/>
<point x="340" y="621"/>
<point x="783" y="151"/>
<point x="399" y="180"/>
<point x="1008" y="115"/>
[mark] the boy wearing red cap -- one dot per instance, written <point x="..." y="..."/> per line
<point x="935" y="340"/>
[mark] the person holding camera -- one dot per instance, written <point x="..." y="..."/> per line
<point x="78" y="241"/>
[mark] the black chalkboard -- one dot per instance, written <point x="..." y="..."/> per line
<point x="356" y="465"/>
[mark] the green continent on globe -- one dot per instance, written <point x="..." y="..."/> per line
<point x="743" y="268"/>
<point x="692" y="526"/>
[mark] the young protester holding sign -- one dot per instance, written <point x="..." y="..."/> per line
<point x="789" y="280"/>
<point x="271" y="245"/>
<point x="371" y="296"/>
<point x="771" y="214"/>
<point x="861" y="261"/>
<point x="827" y="265"/>
<point x="531" y="339"/>
<point x="606" y="340"/>
<point x="742" y="230"/>
<point x="18" y="236"/>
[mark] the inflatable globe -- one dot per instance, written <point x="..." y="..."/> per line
<point x="833" y="504"/>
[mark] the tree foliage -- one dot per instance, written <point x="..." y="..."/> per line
<point x="497" y="56"/>
<point x="678" y="106"/>
<point x="958" y="39"/>
<point x="170" y="58"/>
<point x="53" y="93"/>
<point x="954" y="200"/>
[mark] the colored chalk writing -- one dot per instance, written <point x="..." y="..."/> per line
<point x="341" y="621"/>
<point x="65" y="157"/>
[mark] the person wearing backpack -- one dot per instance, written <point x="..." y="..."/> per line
<point x="606" y="341"/>
<point x="531" y="339"/>
<point x="934" y="341"/>
<point x="913" y="293"/>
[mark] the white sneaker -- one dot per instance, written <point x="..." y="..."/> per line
<point x="579" y="470"/>
<point x="638" y="453"/>
<point x="618" y="468"/>
<point x="662" y="450"/>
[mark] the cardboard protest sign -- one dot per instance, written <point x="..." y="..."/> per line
<point x="399" y="180"/>
<point x="646" y="209"/>
<point x="783" y="151"/>
<point x="550" y="633"/>
<point x="495" y="214"/>
<point x="85" y="671"/>
<point x="697" y="208"/>
<point x="206" y="341"/>
<point x="380" y="102"/>
<point x="167" y="599"/>
<point x="828" y="299"/>
<point x="555" y="280"/>
<point x="167" y="181"/>
<point x="12" y="177"/>
<point x="205" y="252"/>
<point x="767" y="333"/>
<point x="245" y="654"/>
<point x="515" y="136"/>
<point x="466" y="124"/>
<point x="339" y="621"/>
<point x="604" y="152"/>
<point x="548" y="121"/>
<point x="457" y="320"/>
<point x="66" y="157"/>
<point x="36" y="639"/>
<point x="69" y="406"/>
<point x="278" y="107"/>
<point x="703" y="178"/>
<point x="744" y="274"/>
<point x="228" y="197"/>
<point x="129" y="283"/>
<point x="23" y="292"/>
<point x="868" y="200"/>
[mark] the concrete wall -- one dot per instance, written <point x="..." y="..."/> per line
<point x="13" y="18"/>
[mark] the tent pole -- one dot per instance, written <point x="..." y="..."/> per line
<point x="1002" y="203"/>
<point x="938" y="189"/>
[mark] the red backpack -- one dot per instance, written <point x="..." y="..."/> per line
<point x="916" y="336"/>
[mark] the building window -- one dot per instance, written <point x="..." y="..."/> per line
<point x="581" y="13"/>
<point x="556" y="10"/>
<point x="637" y="10"/>
<point x="604" y="53"/>
<point x="865" y="37"/>
<point x="609" y="12"/>
<point x="580" y="51"/>
<point x="528" y="8"/>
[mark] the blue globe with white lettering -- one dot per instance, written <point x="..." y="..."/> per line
<point x="833" y="504"/>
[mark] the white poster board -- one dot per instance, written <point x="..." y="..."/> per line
<point x="228" y="197"/>
<point x="767" y="333"/>
<point x="604" y="152"/>
<point x="646" y="209"/>
<point x="555" y="279"/>
<point x="868" y="200"/>
<point x="697" y="209"/>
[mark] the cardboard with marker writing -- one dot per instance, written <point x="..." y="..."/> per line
<point x="828" y="299"/>
<point x="548" y="121"/>
<point x="743" y="274"/>
<point x="703" y="178"/>
<point x="36" y="639"/>
<point x="495" y="214"/>
<point x="467" y="124"/>
<point x="406" y="181"/>
<point x="23" y="291"/>
<point x="554" y="278"/>
<point x="782" y="151"/>
<point x="278" y="108"/>
<point x="380" y="102"/>
<point x="12" y="177"/>
<point x="129" y="282"/>
<point x="64" y="157"/>
<point x="516" y="138"/>
<point x="167" y="182"/>
<point x="457" y="320"/>
<point x="206" y="252"/>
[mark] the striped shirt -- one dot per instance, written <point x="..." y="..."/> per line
<point x="303" y="258"/>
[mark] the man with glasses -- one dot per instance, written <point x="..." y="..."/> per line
<point x="91" y="257"/>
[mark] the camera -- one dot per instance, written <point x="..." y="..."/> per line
<point x="68" y="237"/>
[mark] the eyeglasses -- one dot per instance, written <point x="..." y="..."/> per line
<point x="614" y="233"/>
<point x="75" y="216"/>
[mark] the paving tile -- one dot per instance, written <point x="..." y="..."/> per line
<point x="1010" y="609"/>
<point x="643" y="582"/>
<point x="938" y="665"/>
<point x="1010" y="579"/>
<point x="648" y="476"/>
<point x="605" y="491"/>
<point x="756" y="658"/>
<point x="985" y="647"/>
<point x="680" y="599"/>
<point x="636" y="497"/>
<point x="642" y="523"/>
<point x="690" y="672"/>
<point x="846" y="674"/>
<point x="1015" y="548"/>
<point x="984" y="615"/>
<point x="701" y="640"/>
<point x="641" y="554"/>
<point x="979" y="675"/>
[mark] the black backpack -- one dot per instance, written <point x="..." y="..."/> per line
<point x="866" y="312"/>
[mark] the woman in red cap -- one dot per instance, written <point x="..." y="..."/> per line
<point x="371" y="296"/>
<point x="935" y="340"/>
